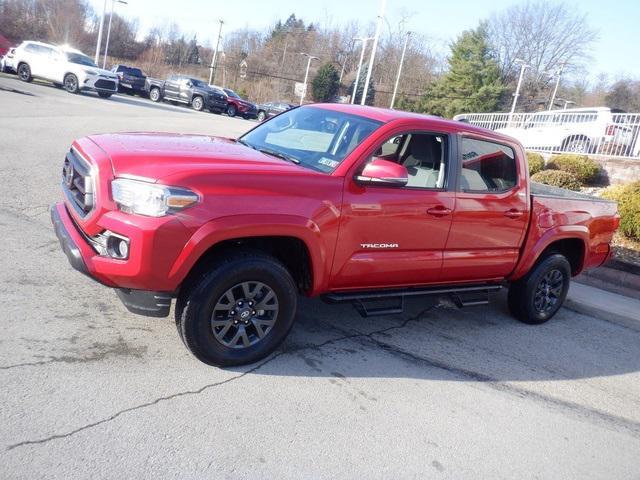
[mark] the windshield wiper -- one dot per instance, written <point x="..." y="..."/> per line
<point x="282" y="156"/>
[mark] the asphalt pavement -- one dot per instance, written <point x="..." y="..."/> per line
<point x="89" y="390"/>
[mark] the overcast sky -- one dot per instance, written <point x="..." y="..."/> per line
<point x="616" y="53"/>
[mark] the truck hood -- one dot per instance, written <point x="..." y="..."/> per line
<point x="153" y="156"/>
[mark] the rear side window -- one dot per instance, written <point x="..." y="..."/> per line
<point x="487" y="166"/>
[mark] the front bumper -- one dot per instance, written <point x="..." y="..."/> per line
<point x="99" y="83"/>
<point x="84" y="259"/>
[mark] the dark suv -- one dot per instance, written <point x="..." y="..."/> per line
<point x="188" y="90"/>
<point x="271" y="109"/>
<point x="132" y="79"/>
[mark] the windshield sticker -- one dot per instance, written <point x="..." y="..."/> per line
<point x="328" y="162"/>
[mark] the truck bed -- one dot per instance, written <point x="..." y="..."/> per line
<point x="542" y="190"/>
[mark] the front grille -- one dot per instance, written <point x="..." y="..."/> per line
<point x="77" y="183"/>
<point x="105" y="84"/>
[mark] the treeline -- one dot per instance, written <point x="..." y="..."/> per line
<point x="479" y="74"/>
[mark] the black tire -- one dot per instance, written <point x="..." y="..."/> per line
<point x="197" y="103"/>
<point x="262" y="116"/>
<point x="577" y="145"/>
<point x="154" y="94"/>
<point x="104" y="94"/>
<point x="71" y="83"/>
<point x="198" y="303"/>
<point x="538" y="296"/>
<point x="231" y="110"/>
<point x="24" y="72"/>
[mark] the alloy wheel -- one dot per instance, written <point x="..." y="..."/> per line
<point x="548" y="292"/>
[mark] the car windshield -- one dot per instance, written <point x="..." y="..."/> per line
<point x="80" y="59"/>
<point x="316" y="138"/>
<point x="231" y="93"/>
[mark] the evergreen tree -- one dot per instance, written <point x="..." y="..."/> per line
<point x="371" y="92"/>
<point x="472" y="83"/>
<point x="325" y="84"/>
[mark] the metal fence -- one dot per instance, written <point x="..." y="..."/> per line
<point x="596" y="131"/>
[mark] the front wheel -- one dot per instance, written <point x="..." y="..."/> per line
<point x="239" y="311"/>
<point x="261" y="116"/>
<point x="577" y="145"/>
<point x="71" y="83"/>
<point x="538" y="296"/>
<point x="24" y="72"/>
<point x="154" y="94"/>
<point x="197" y="103"/>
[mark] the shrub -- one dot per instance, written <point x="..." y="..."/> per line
<point x="557" y="178"/>
<point x="628" y="198"/>
<point x="585" y="169"/>
<point x="536" y="162"/>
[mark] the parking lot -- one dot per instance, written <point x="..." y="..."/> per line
<point x="89" y="390"/>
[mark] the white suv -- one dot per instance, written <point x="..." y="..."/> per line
<point x="64" y="67"/>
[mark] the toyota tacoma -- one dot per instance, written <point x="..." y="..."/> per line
<point x="354" y="204"/>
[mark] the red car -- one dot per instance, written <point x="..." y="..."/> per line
<point x="352" y="203"/>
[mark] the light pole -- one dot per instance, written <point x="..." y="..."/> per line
<point x="306" y="74"/>
<point x="364" y="41"/>
<point x="106" y="47"/>
<point x="373" y="52"/>
<point x="215" y="54"/>
<point x="395" y="88"/>
<point x="555" y="90"/>
<point x="104" y="12"/>
<point x="523" y="67"/>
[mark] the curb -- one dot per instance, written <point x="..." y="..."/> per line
<point x="620" y="317"/>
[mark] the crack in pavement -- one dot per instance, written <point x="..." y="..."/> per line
<point x="216" y="384"/>
<point x="582" y="411"/>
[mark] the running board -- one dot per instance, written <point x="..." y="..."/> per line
<point x="370" y="303"/>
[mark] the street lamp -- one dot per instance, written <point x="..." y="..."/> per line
<point x="373" y="52"/>
<point x="364" y="41"/>
<point x="104" y="12"/>
<point x="558" y="74"/>
<point x="106" y="47"/>
<point x="523" y="67"/>
<point x="215" y="53"/>
<point x="306" y="75"/>
<point x="395" y="88"/>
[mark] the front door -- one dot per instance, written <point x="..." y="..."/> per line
<point x="172" y="88"/>
<point x="492" y="213"/>
<point x="395" y="236"/>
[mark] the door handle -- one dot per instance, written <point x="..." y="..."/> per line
<point x="439" y="211"/>
<point x="513" y="213"/>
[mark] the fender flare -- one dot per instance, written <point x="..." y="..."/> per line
<point x="248" y="226"/>
<point x="534" y="250"/>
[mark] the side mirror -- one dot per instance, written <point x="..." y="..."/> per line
<point x="383" y="172"/>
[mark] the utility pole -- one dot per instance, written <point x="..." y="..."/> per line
<point x="373" y="52"/>
<point x="215" y="54"/>
<point x="106" y="47"/>
<point x="98" y="44"/>
<point x="306" y="75"/>
<point x="364" y="41"/>
<point x="395" y="88"/>
<point x="523" y="67"/>
<point x="555" y="90"/>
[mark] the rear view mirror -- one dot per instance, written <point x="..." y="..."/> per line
<point x="383" y="172"/>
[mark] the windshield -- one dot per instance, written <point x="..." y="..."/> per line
<point x="316" y="138"/>
<point x="231" y="93"/>
<point x="80" y="59"/>
<point x="197" y="83"/>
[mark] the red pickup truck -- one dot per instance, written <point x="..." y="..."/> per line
<point x="353" y="203"/>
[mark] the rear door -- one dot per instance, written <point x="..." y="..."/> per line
<point x="395" y="236"/>
<point x="491" y="214"/>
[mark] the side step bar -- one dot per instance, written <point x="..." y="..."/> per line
<point x="369" y="303"/>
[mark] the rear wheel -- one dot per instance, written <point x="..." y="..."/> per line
<point x="71" y="83"/>
<point x="538" y="296"/>
<point x="154" y="94"/>
<point x="231" y="110"/>
<point x="577" y="145"/>
<point x="239" y="311"/>
<point x="197" y="103"/>
<point x="24" y="72"/>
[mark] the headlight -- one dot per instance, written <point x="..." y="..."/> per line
<point x="133" y="196"/>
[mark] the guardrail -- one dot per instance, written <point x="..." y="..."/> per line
<point x="593" y="131"/>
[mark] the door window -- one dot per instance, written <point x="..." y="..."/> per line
<point x="487" y="166"/>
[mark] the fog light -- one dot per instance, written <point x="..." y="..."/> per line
<point x="123" y="248"/>
<point x="117" y="246"/>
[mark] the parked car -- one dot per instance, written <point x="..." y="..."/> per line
<point x="357" y="204"/>
<point x="270" y="109"/>
<point x="131" y="79"/>
<point x="238" y="106"/>
<point x="64" y="67"/>
<point x="577" y="130"/>
<point x="187" y="90"/>
<point x="7" y="61"/>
